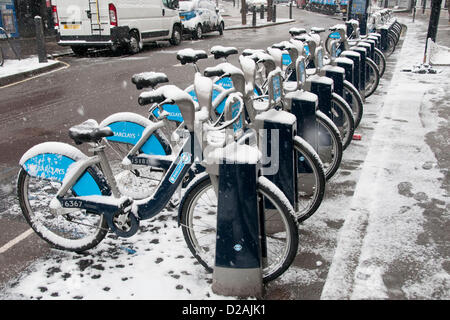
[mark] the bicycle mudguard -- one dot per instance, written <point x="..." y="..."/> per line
<point x="129" y="127"/>
<point x="51" y="161"/>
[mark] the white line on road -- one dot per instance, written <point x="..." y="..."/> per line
<point x="16" y="240"/>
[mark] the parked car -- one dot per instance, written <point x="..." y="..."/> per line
<point x="199" y="17"/>
<point x="84" y="24"/>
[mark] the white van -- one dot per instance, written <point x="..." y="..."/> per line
<point x="84" y="24"/>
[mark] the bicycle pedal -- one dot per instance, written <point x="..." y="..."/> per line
<point x="357" y="136"/>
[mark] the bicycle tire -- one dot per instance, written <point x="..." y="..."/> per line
<point x="390" y="47"/>
<point x="305" y="153"/>
<point x="380" y="61"/>
<point x="343" y="110"/>
<point x="1" y="57"/>
<point x="356" y="104"/>
<point x="375" y="76"/>
<point x="56" y="238"/>
<point x="205" y="254"/>
<point x="331" y="160"/>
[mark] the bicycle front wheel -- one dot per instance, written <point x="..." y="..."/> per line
<point x="354" y="99"/>
<point x="380" y="60"/>
<point x="311" y="179"/>
<point x="374" y="77"/>
<point x="342" y="116"/>
<point x="199" y="226"/>
<point x="330" y="144"/>
<point x="74" y="230"/>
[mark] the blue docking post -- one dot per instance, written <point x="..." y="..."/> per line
<point x="322" y="87"/>
<point x="337" y="74"/>
<point x="278" y="158"/>
<point x="348" y="66"/>
<point x="303" y="105"/>
<point x="357" y="62"/>
<point x="363" y="68"/>
<point x="238" y="264"/>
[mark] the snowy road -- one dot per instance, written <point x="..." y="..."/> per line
<point x="381" y="232"/>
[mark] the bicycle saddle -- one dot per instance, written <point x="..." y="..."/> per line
<point x="89" y="131"/>
<point x="190" y="55"/>
<point x="338" y="27"/>
<point x="148" y="79"/>
<point x="297" y="31"/>
<point x="317" y="30"/>
<point x="223" y="52"/>
<point x="250" y="52"/>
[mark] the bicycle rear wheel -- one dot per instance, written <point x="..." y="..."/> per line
<point x="76" y="230"/>
<point x="199" y="225"/>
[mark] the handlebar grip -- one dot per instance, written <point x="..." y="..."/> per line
<point x="147" y="98"/>
<point x="213" y="73"/>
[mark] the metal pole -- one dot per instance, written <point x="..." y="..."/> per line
<point x="269" y="10"/>
<point x="254" y="16"/>
<point x="40" y="40"/>
<point x="262" y="12"/>
<point x="433" y="24"/>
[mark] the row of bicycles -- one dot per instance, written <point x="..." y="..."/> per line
<point x="137" y="166"/>
<point x="330" y="7"/>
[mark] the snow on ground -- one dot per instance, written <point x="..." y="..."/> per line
<point x="12" y="66"/>
<point x="154" y="264"/>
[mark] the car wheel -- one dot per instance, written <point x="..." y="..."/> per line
<point x="198" y="32"/>
<point x="176" y="36"/>
<point x="133" y="46"/>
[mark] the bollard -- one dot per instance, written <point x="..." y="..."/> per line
<point x="269" y="12"/>
<point x="290" y="10"/>
<point x="274" y="13"/>
<point x="262" y="12"/>
<point x="254" y="16"/>
<point x="40" y="40"/>
<point x="238" y="262"/>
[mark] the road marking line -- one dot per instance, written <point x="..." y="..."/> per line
<point x="16" y="240"/>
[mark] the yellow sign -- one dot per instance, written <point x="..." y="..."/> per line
<point x="72" y="26"/>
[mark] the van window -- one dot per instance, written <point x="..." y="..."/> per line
<point x="171" y="4"/>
